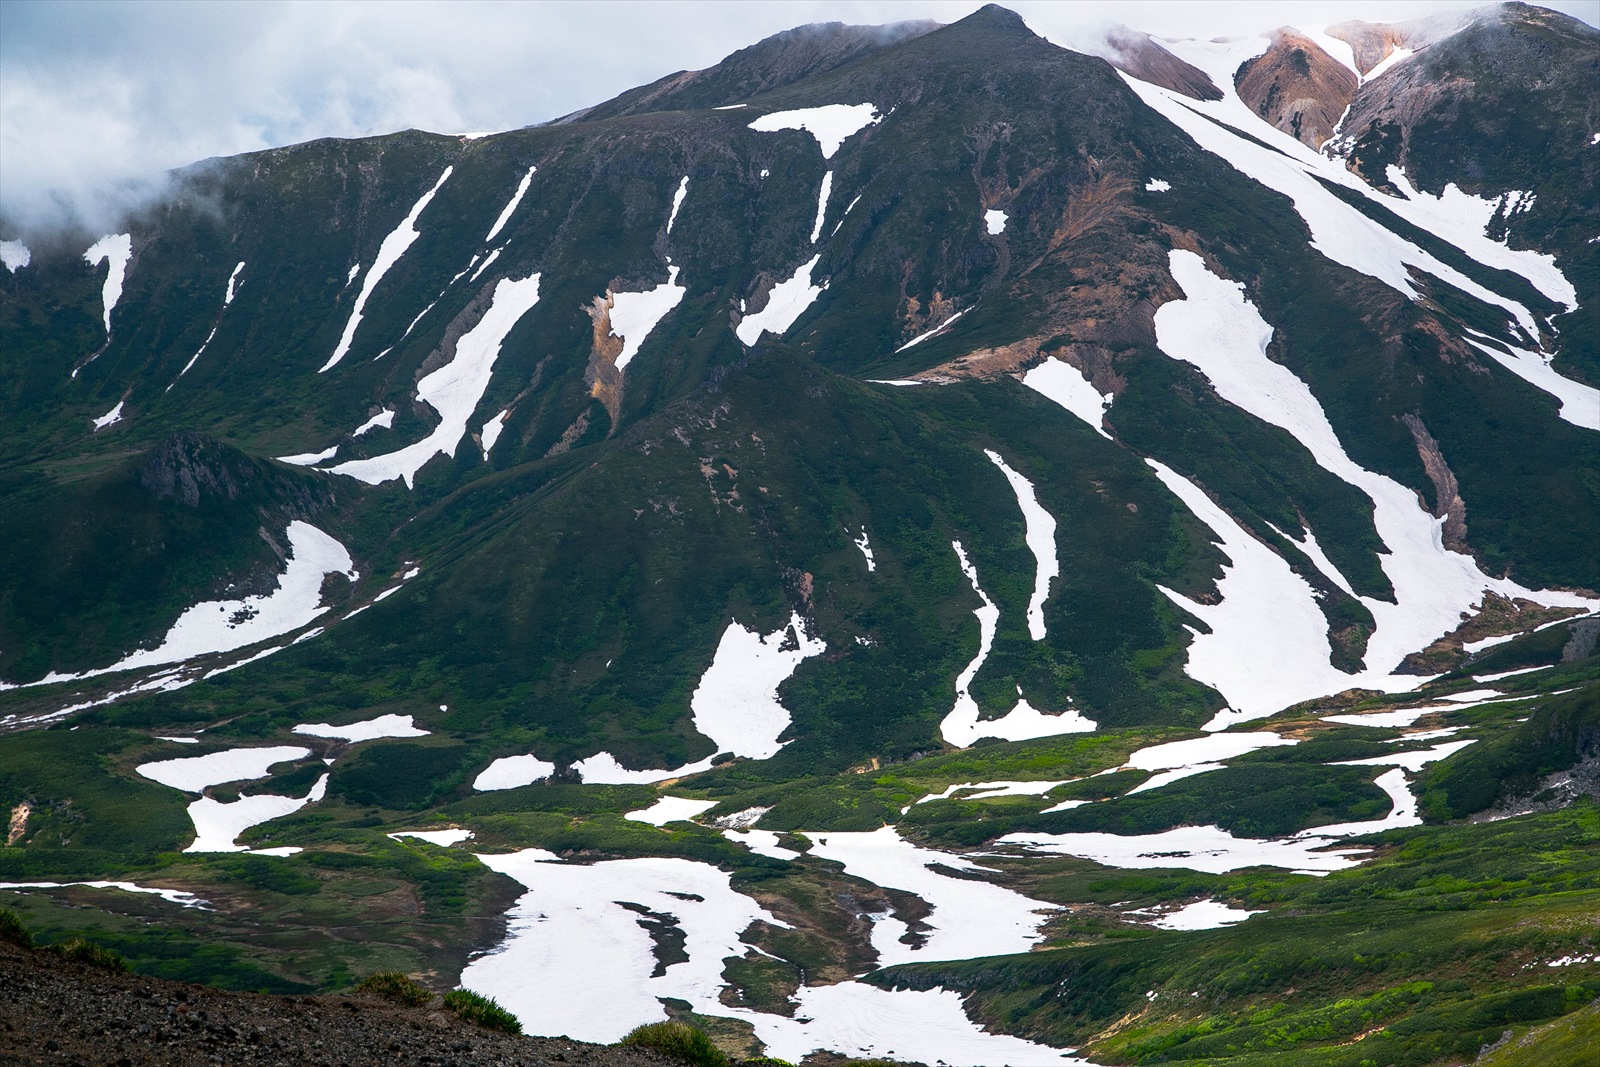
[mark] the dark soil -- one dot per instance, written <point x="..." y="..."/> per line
<point x="57" y="1012"/>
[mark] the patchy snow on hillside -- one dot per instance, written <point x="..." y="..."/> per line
<point x="309" y="459"/>
<point x="227" y="298"/>
<point x="761" y="842"/>
<point x="678" y="195"/>
<point x="366" y="729"/>
<point x="389" y="253"/>
<point x="442" y="838"/>
<point x="1414" y="760"/>
<point x="786" y="303"/>
<point x="114" y="249"/>
<point x="822" y="206"/>
<point x="994" y="221"/>
<point x="1040" y="535"/>
<point x="110" y="418"/>
<point x="1208" y="849"/>
<point x="919" y="338"/>
<point x="1219" y="332"/>
<point x="455" y="389"/>
<point x="990" y="790"/>
<point x="491" y="432"/>
<point x="970" y="917"/>
<point x="194" y="774"/>
<point x="1339" y="50"/>
<point x="511" y="206"/>
<point x="670" y="809"/>
<point x="830" y="124"/>
<point x="512" y="772"/>
<point x="1156" y="185"/>
<point x="866" y="549"/>
<point x="635" y="315"/>
<point x="1338" y="231"/>
<point x="1396" y="56"/>
<point x="1203" y="915"/>
<point x="218" y="825"/>
<point x="1060" y="381"/>
<point x="1580" y="404"/>
<point x="15" y="255"/>
<point x="171" y="896"/>
<point x="224" y="625"/>
<point x="736" y="703"/>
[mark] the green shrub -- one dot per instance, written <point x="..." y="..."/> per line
<point x="12" y="930"/>
<point x="79" y="950"/>
<point x="485" y="1011"/>
<point x="392" y="985"/>
<point x="678" y="1040"/>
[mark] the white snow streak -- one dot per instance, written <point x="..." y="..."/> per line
<point x="109" y="418"/>
<point x="511" y="207"/>
<point x="309" y="459"/>
<point x="670" y="809"/>
<point x="822" y="206"/>
<point x="677" y="201"/>
<point x="1041" y="538"/>
<point x="171" y="896"/>
<point x="442" y="838"/>
<point x="455" y="388"/>
<point x="929" y="333"/>
<point x="227" y="298"/>
<point x="1580" y="404"/>
<point x="389" y="253"/>
<point x="381" y="421"/>
<point x="116" y="249"/>
<point x="866" y="549"/>
<point x="1198" y="848"/>
<point x="491" y="432"/>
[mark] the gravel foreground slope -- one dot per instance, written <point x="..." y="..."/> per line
<point x="58" y="1012"/>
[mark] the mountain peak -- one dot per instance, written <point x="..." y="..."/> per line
<point x="994" y="18"/>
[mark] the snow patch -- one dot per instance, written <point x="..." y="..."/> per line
<point x="994" y="221"/>
<point x="383" y="420"/>
<point x="442" y="838"/>
<point x="365" y="730"/>
<point x="172" y="896"/>
<point x="1203" y="915"/>
<point x="866" y="549"/>
<point x="677" y="201"/>
<point x="309" y="459"/>
<point x="1041" y="539"/>
<point x="116" y="249"/>
<point x="1208" y="849"/>
<point x="635" y="315"/>
<point x="830" y="124"/>
<point x="1580" y="404"/>
<point x="218" y="825"/>
<point x="389" y="253"/>
<point x="110" y="418"/>
<point x="787" y="301"/>
<point x="1065" y="384"/>
<point x="929" y="333"/>
<point x="455" y="388"/>
<point x="512" y="772"/>
<point x="195" y="774"/>
<point x="15" y="255"/>
<point x="491" y="432"/>
<point x="1156" y="185"/>
<point x="670" y="809"/>
<point x="822" y="206"/>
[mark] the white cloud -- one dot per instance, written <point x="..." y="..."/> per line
<point x="97" y="98"/>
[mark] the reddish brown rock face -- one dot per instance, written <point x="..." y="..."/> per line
<point x="1297" y="87"/>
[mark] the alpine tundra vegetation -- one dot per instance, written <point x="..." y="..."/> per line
<point x="910" y="542"/>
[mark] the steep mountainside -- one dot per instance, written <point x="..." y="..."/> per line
<point x="910" y="528"/>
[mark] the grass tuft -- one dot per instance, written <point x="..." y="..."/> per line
<point x="680" y="1041"/>
<point x="485" y="1011"/>
<point x="393" y="985"/>
<point x="12" y="930"/>
<point x="79" y="950"/>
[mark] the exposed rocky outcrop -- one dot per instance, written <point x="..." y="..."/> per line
<point x="1297" y="87"/>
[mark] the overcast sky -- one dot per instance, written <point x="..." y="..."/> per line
<point x="96" y="94"/>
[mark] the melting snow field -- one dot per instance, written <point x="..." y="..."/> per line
<point x="670" y="809"/>
<point x="830" y="124"/>
<point x="1208" y="849"/>
<point x="635" y="315"/>
<point x="366" y="730"/>
<point x="736" y="703"/>
<point x="1185" y="759"/>
<point x="866" y="549"/>
<point x="994" y="221"/>
<point x="1265" y="604"/>
<point x="442" y="838"/>
<point x="1203" y="915"/>
<point x="787" y="301"/>
<point x="389" y="252"/>
<point x="455" y="388"/>
<point x="193" y="774"/>
<point x="1065" y="384"/>
<point x="218" y="825"/>
<point x="225" y="625"/>
<point x="491" y="432"/>
<point x="116" y="249"/>
<point x="970" y="918"/>
<point x="1041" y="538"/>
<point x="511" y="772"/>
<point x="1580" y="404"/>
<point x="172" y="896"/>
<point x="577" y="961"/>
<point x="383" y="420"/>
